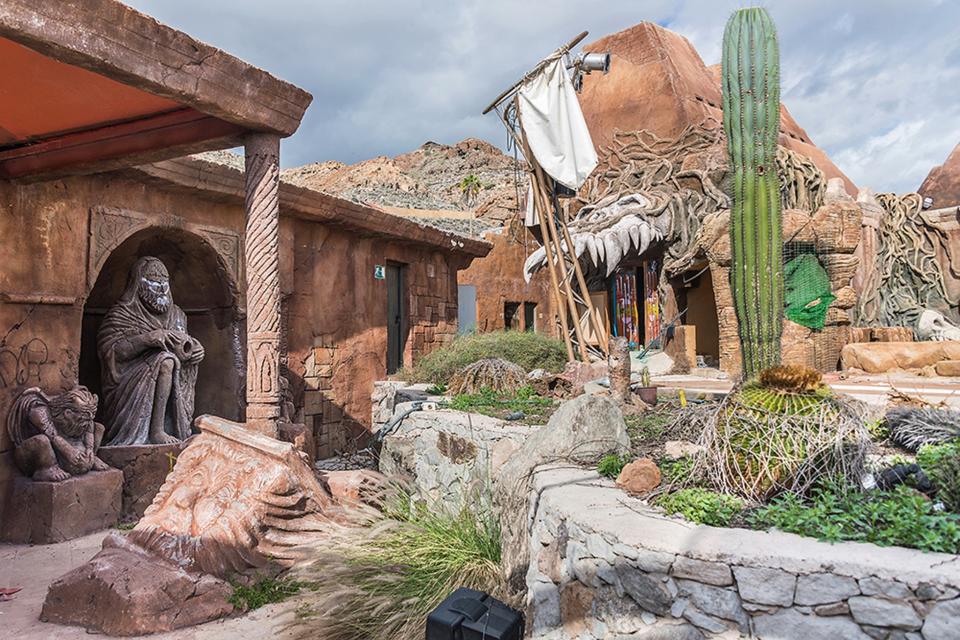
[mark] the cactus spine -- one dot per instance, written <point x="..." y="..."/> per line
<point x="751" y="121"/>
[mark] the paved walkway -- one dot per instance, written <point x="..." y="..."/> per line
<point x="33" y="568"/>
<point x="873" y="389"/>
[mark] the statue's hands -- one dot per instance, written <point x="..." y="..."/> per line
<point x="197" y="354"/>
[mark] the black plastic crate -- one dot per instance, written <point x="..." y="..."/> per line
<point x="467" y="614"/>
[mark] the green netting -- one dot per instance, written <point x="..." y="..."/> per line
<point x="807" y="294"/>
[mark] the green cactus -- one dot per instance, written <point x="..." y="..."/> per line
<point x="751" y="120"/>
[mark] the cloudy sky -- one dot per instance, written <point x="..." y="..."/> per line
<point x="876" y="83"/>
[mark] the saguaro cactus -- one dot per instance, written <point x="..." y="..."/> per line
<point x="751" y="120"/>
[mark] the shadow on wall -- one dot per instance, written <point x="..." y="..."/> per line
<point x="204" y="289"/>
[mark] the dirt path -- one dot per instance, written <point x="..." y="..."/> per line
<point x="33" y="568"/>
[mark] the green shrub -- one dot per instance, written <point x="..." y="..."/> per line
<point x="437" y="389"/>
<point x="941" y="463"/>
<point x="899" y="517"/>
<point x="527" y="349"/>
<point x="676" y="470"/>
<point x="524" y="400"/>
<point x="381" y="581"/>
<point x="611" y="465"/>
<point x="702" y="506"/>
<point x="262" y="592"/>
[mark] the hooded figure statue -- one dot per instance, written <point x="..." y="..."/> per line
<point x="148" y="362"/>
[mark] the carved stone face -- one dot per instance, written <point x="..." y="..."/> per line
<point x="74" y="411"/>
<point x="154" y="289"/>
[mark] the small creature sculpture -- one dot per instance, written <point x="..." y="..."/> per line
<point x="56" y="437"/>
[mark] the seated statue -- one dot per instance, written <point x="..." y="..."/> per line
<point x="148" y="362"/>
<point x="55" y="437"/>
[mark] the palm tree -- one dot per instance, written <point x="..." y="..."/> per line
<point x="470" y="188"/>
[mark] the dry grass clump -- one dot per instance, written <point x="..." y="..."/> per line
<point x="913" y="427"/>
<point x="494" y="374"/>
<point x="378" y="578"/>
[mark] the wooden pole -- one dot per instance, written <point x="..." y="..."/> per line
<point x="562" y="50"/>
<point x="593" y="314"/>
<point x="546" y="206"/>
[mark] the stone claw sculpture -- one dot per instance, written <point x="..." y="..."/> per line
<point x="55" y="437"/>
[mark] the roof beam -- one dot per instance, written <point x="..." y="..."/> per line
<point x="128" y="143"/>
<point x="113" y="40"/>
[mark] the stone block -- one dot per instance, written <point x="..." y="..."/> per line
<point x="880" y="357"/>
<point x="837" y="226"/>
<point x="715" y="573"/>
<point x="888" y="588"/>
<point x="790" y="624"/>
<point x="647" y="591"/>
<point x="144" y="467"/>
<point x="46" y="512"/>
<point x="766" y="586"/>
<point x="824" y="588"/>
<point x="941" y="623"/>
<point x="950" y="368"/>
<point x="719" y="602"/>
<point x="882" y="612"/>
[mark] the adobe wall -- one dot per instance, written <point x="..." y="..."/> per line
<point x="337" y="323"/>
<point x="58" y="236"/>
<point x="498" y="278"/>
<point x="52" y="245"/>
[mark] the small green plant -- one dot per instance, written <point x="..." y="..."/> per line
<point x="941" y="463"/>
<point x="611" y="465"/>
<point x="899" y="517"/>
<point x="676" y="470"/>
<point x="878" y="430"/>
<point x="702" y="506"/>
<point x="529" y="350"/>
<point x="263" y="591"/>
<point x="125" y="526"/>
<point x="490" y="403"/>
<point x="437" y="389"/>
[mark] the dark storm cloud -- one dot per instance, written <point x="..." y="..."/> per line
<point x="874" y="82"/>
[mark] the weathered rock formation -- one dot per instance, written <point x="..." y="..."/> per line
<point x="658" y="82"/>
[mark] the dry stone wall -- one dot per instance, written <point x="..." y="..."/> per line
<point x="604" y="565"/>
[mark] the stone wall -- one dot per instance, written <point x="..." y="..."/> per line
<point x="604" y="565"/>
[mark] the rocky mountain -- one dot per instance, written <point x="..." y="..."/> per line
<point x="429" y="177"/>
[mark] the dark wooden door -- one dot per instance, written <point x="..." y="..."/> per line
<point x="396" y="318"/>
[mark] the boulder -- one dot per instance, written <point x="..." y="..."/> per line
<point x="581" y="431"/>
<point x="444" y="453"/>
<point x="125" y="592"/>
<point x="879" y="357"/>
<point x="640" y="476"/>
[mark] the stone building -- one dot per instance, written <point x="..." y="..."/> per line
<point x="275" y="279"/>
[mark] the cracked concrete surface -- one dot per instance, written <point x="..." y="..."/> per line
<point x="33" y="568"/>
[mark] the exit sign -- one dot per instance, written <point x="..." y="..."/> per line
<point x="379" y="272"/>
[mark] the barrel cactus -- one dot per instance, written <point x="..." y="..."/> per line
<point x="751" y="121"/>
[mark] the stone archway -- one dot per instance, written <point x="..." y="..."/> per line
<point x="203" y="287"/>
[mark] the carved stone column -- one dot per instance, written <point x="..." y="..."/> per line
<point x="262" y="256"/>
